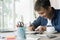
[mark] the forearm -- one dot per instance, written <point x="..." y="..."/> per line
<point x="57" y="28"/>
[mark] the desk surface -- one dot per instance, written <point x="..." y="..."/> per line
<point x="57" y="37"/>
<point x="46" y="38"/>
<point x="35" y="36"/>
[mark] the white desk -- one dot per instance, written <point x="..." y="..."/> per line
<point x="31" y="36"/>
<point x="42" y="37"/>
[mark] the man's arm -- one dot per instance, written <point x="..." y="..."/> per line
<point x="57" y="27"/>
<point x="35" y="24"/>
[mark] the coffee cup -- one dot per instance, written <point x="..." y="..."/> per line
<point x="50" y="29"/>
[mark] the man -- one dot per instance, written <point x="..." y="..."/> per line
<point x="45" y="12"/>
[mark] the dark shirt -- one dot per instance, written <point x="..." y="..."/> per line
<point x="40" y="21"/>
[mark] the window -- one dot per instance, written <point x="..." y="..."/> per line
<point x="7" y="14"/>
<point x="12" y="10"/>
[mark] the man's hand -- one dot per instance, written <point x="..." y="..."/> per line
<point x="31" y="28"/>
<point x="40" y="28"/>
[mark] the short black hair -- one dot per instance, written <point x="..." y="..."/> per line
<point x="42" y="3"/>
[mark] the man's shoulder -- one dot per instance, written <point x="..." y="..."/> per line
<point x="57" y="10"/>
<point x="41" y="18"/>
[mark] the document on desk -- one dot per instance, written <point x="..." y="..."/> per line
<point x="32" y="37"/>
<point x="41" y="35"/>
<point x="30" y="32"/>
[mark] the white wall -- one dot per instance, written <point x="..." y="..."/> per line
<point x="25" y="8"/>
<point x="55" y="4"/>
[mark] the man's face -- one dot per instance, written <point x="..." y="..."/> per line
<point x="43" y="13"/>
